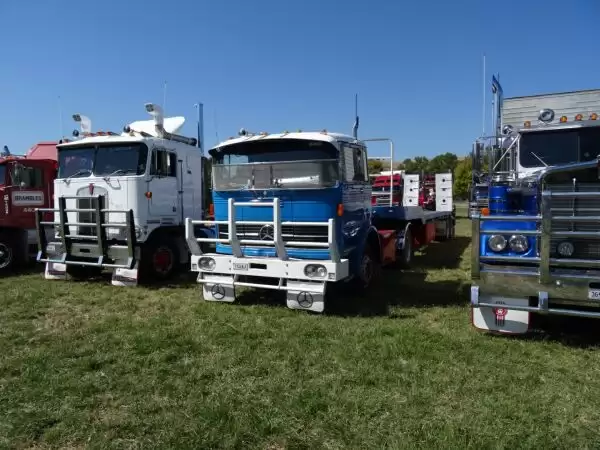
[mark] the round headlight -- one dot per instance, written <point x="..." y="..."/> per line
<point x="497" y="243"/>
<point x="518" y="243"/>
<point x="565" y="249"/>
<point x="207" y="263"/>
<point x="315" y="271"/>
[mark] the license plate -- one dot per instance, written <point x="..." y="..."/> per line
<point x="51" y="248"/>
<point x="594" y="294"/>
<point x="244" y="267"/>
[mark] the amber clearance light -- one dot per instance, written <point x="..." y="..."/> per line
<point x="485" y="211"/>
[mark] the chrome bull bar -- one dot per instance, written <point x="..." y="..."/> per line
<point x="550" y="280"/>
<point x="277" y="239"/>
<point x="96" y="246"/>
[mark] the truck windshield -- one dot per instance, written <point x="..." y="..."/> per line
<point x="559" y="146"/>
<point x="102" y="160"/>
<point x="2" y="174"/>
<point x="281" y="163"/>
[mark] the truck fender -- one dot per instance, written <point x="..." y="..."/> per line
<point x="372" y="238"/>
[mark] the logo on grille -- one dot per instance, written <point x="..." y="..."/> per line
<point x="91" y="188"/>
<point x="218" y="292"/>
<point x="267" y="232"/>
<point x="305" y="299"/>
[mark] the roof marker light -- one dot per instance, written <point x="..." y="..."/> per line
<point x="593" y="116"/>
<point x="527" y="124"/>
<point x="579" y="117"/>
<point x="563" y="119"/>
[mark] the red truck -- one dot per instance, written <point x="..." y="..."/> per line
<point x="26" y="183"/>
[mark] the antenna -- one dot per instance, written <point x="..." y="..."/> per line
<point x="216" y="126"/>
<point x="200" y="126"/>
<point x="483" y="113"/>
<point x="356" y="121"/>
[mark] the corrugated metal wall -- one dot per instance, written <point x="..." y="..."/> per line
<point x="519" y="109"/>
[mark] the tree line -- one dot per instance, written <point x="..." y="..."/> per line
<point x="444" y="163"/>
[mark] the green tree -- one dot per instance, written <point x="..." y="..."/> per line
<point x="443" y="163"/>
<point x="375" y="166"/>
<point x="462" y="178"/>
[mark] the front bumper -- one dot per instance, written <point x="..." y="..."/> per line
<point x="503" y="302"/>
<point x="95" y="250"/>
<point x="302" y="291"/>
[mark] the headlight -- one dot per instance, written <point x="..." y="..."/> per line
<point x="206" y="263"/>
<point x="315" y="271"/>
<point x="518" y="243"/>
<point x="497" y="243"/>
<point x="566" y="249"/>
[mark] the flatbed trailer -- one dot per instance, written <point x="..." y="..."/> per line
<point x="412" y="227"/>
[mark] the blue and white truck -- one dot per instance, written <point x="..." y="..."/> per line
<point x="293" y="212"/>
<point x="536" y="240"/>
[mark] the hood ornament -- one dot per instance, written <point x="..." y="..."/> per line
<point x="91" y="188"/>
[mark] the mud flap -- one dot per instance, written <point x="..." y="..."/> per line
<point x="501" y="320"/>
<point x="55" y="271"/>
<point x="217" y="288"/>
<point x="125" y="277"/>
<point x="306" y="296"/>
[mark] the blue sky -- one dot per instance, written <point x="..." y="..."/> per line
<point x="273" y="65"/>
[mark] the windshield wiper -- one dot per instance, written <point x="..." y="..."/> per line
<point x="539" y="159"/>
<point x="117" y="172"/>
<point x="79" y="172"/>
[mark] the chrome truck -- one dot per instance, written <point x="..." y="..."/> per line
<point x="536" y="244"/>
<point x="120" y="201"/>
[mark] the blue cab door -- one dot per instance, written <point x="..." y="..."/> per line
<point x="356" y="196"/>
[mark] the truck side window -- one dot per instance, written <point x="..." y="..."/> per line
<point x="360" y="165"/>
<point x="164" y="164"/>
<point x="349" y="171"/>
<point x="27" y="177"/>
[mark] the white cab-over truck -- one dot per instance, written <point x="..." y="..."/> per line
<point x="120" y="201"/>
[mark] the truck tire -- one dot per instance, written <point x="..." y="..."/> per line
<point x="407" y="253"/>
<point x="369" y="269"/>
<point x="7" y="254"/>
<point x="160" y="259"/>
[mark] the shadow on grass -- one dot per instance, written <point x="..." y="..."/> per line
<point x="27" y="269"/>
<point x="576" y="332"/>
<point x="442" y="255"/>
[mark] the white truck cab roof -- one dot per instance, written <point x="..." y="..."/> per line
<point x="323" y="136"/>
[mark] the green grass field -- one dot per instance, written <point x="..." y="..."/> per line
<point x="91" y="365"/>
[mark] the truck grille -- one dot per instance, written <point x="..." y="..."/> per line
<point x="585" y="248"/>
<point x="87" y="217"/>
<point x="289" y="232"/>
